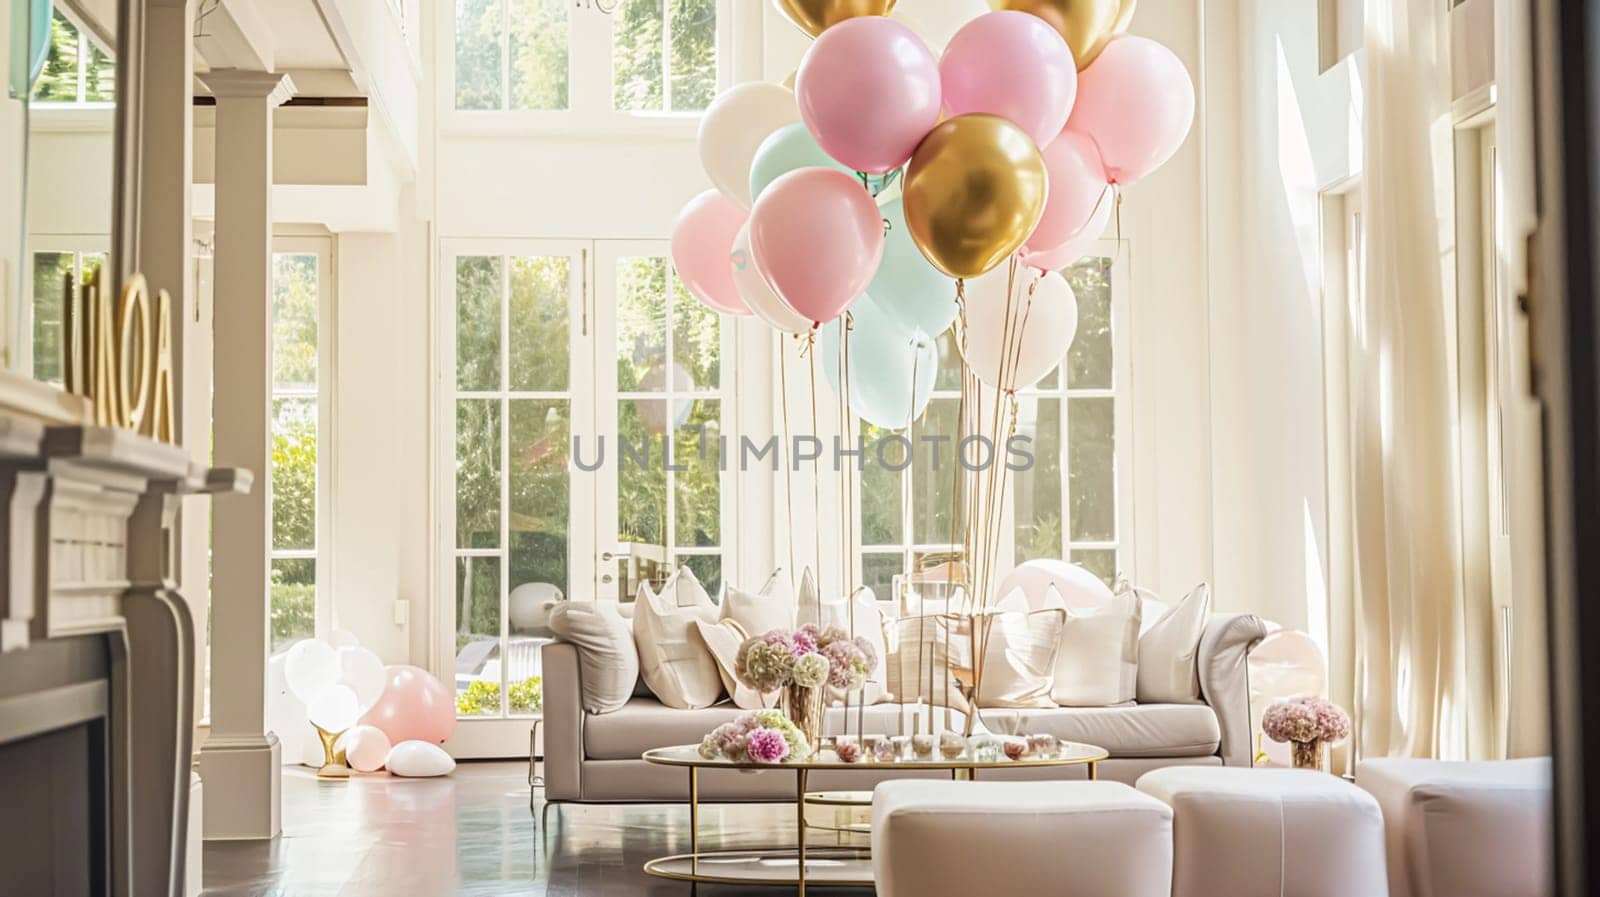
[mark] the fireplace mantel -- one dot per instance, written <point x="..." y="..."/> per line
<point x="88" y="561"/>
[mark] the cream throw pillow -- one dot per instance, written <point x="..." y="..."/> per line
<point x="758" y="613"/>
<point x="1098" y="662"/>
<point x="866" y="622"/>
<point x="928" y="656"/>
<point x="1169" y="670"/>
<point x="674" y="659"/>
<point x="723" y="639"/>
<point x="1019" y="657"/>
<point x="608" y="662"/>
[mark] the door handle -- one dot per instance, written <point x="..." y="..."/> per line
<point x="606" y="578"/>
<point x="606" y="557"/>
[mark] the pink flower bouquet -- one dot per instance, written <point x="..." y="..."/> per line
<point x="1306" y="719"/>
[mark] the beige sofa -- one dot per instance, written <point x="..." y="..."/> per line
<point x="596" y="757"/>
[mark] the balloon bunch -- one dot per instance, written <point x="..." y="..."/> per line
<point x="888" y="177"/>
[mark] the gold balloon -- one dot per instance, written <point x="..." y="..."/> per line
<point x="1087" y="25"/>
<point x="973" y="192"/>
<point x="817" y="16"/>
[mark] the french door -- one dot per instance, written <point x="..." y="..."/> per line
<point x="580" y="408"/>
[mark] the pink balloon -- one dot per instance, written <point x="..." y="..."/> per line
<point x="365" y="747"/>
<point x="701" y="239"/>
<point x="1077" y="247"/>
<point x="868" y="90"/>
<point x="414" y="706"/>
<point x="1136" y="103"/>
<point x="1078" y="588"/>
<point x="817" y="238"/>
<point x="1078" y="190"/>
<point x="1014" y="65"/>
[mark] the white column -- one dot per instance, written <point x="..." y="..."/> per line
<point x="240" y="759"/>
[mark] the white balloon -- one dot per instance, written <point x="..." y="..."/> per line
<point x="733" y="128"/>
<point x="530" y="603"/>
<point x="362" y="671"/>
<point x="341" y="638"/>
<point x="757" y="293"/>
<point x="312" y="665"/>
<point x="419" y="759"/>
<point x="365" y="747"/>
<point x="286" y="717"/>
<point x="1024" y="339"/>
<point x="334" y="708"/>
<point x="936" y="21"/>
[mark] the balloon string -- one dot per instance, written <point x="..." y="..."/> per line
<point x="816" y="467"/>
<point x="961" y="414"/>
<point x="846" y="495"/>
<point x="1117" y="211"/>
<point x="787" y="454"/>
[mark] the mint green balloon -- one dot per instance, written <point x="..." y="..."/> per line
<point x="786" y="149"/>
<point x="907" y="286"/>
<point x="891" y="368"/>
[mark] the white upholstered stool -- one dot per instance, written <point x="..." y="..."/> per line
<point x="1464" y="829"/>
<point x="1241" y="832"/>
<point x="1063" y="839"/>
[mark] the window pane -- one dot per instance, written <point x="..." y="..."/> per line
<point x="707" y="568"/>
<point x="1038" y="489"/>
<point x="294" y="474"/>
<point x="50" y="270"/>
<point x="538" y="44"/>
<point x="698" y="486"/>
<point x="539" y="291"/>
<point x="694" y="53"/>
<point x="641" y="478"/>
<point x="58" y="82"/>
<point x="935" y="472"/>
<point x="478" y="24"/>
<point x="1092" y="471"/>
<point x="477" y="473"/>
<point x="540" y="497"/>
<point x="294" y="601"/>
<point x="696" y="342"/>
<point x="881" y="522"/>
<point x="641" y="324"/>
<point x="478" y="282"/>
<point x="1102" y="562"/>
<point x="294" y="321"/>
<point x="478" y="636"/>
<point x="1089" y="359"/>
<point x="878" y="572"/>
<point x="523" y="672"/>
<point x="636" y="55"/>
<point x="99" y="77"/>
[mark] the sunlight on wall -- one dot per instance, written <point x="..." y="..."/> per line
<point x="1297" y="171"/>
<point x="1316" y="584"/>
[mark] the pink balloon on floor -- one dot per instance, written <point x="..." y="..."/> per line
<point x="817" y="238"/>
<point x="1014" y="65"/>
<point x="702" y="237"/>
<point x="1136" y="103"/>
<point x="365" y="747"/>
<point x="868" y="91"/>
<point x="1078" y="191"/>
<point x="1079" y="589"/>
<point x="415" y="706"/>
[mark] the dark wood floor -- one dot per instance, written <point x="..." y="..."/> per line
<point x="473" y="833"/>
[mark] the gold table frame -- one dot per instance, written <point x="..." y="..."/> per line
<point x="688" y="757"/>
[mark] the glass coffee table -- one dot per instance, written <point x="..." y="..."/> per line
<point x="830" y="866"/>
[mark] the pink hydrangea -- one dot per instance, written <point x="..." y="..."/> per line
<point x="1305" y="719"/>
<point x="805" y="641"/>
<point x="764" y="745"/>
<point x="843" y="664"/>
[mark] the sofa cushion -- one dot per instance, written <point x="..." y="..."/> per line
<point x="1129" y="730"/>
<point x="1169" y="651"/>
<point x="672" y="656"/>
<point x="607" y="659"/>
<point x="859" y="616"/>
<point x="1019" y="657"/>
<point x="723" y="639"/>
<point x="1098" y="663"/>
<point x="758" y="613"/>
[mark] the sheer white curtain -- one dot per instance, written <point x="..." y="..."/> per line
<point x="1412" y="692"/>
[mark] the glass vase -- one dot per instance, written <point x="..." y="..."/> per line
<point x="803" y="707"/>
<point x="1307" y="754"/>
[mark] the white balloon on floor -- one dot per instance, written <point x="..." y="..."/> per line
<point x="286" y="716"/>
<point x="419" y="759"/>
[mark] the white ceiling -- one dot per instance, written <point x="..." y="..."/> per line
<point x="303" y="38"/>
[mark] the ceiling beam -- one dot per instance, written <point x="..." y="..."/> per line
<point x="233" y="34"/>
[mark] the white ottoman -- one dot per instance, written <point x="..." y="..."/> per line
<point x="1061" y="839"/>
<point x="1464" y="829"/>
<point x="1241" y="832"/>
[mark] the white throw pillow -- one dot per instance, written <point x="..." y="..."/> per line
<point x="758" y="613"/>
<point x="674" y="659"/>
<point x="608" y="662"/>
<point x="927" y="656"/>
<point x="1019" y="657"/>
<point x="866" y="622"/>
<point x="1098" y="661"/>
<point x="1169" y="670"/>
<point x="723" y="639"/>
